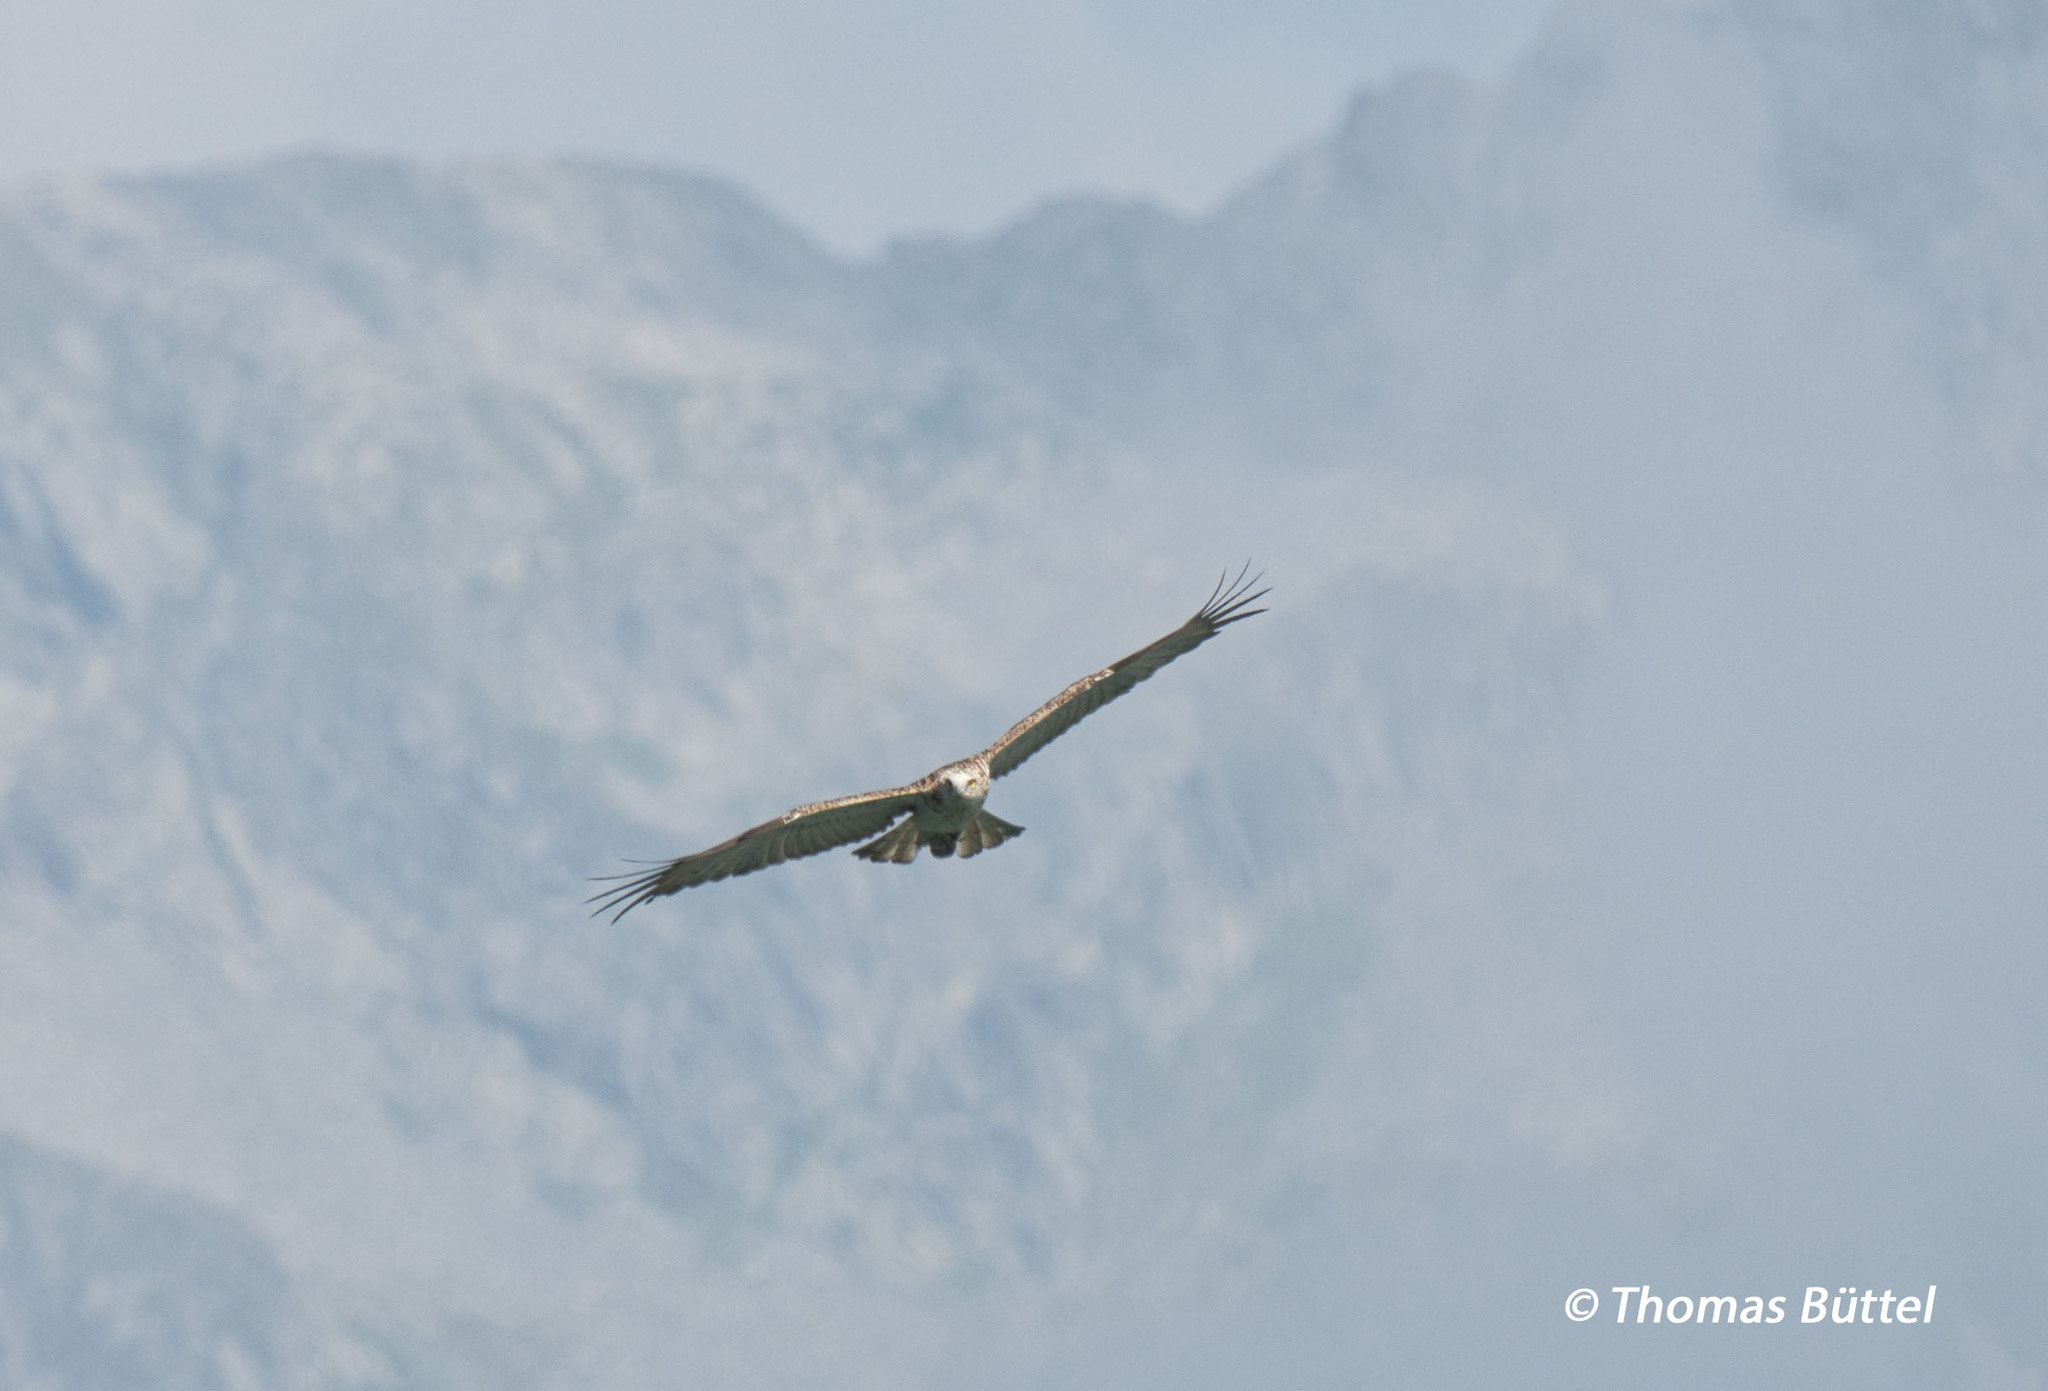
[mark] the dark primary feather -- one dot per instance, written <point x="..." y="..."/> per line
<point x="806" y="830"/>
<point x="1226" y="605"/>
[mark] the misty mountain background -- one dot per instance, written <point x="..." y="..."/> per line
<point x="1616" y="859"/>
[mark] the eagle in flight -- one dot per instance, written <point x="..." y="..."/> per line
<point x="944" y="807"/>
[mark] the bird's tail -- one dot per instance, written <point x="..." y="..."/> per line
<point x="895" y="846"/>
<point x="986" y="832"/>
<point x="899" y="844"/>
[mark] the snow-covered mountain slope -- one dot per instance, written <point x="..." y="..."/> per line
<point x="1575" y="879"/>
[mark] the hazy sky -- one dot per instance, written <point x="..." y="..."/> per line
<point x="856" y="118"/>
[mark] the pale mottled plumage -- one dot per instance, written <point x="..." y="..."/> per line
<point x="944" y="806"/>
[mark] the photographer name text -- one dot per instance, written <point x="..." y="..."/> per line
<point x="1820" y="1304"/>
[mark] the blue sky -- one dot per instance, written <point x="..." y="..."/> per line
<point x="857" y="119"/>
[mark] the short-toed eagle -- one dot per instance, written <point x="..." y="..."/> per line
<point x="944" y="807"/>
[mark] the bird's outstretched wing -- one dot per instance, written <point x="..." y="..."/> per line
<point x="807" y="830"/>
<point x="1049" y="721"/>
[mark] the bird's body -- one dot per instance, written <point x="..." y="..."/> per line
<point x="944" y="808"/>
<point x="946" y="817"/>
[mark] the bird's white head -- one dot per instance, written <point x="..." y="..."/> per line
<point x="969" y="782"/>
